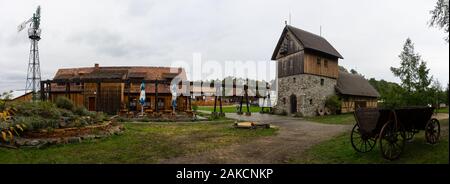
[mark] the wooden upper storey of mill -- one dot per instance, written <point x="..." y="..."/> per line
<point x="302" y="52"/>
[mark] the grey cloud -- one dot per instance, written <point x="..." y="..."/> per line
<point x="113" y="44"/>
<point x="139" y="7"/>
<point x="141" y="32"/>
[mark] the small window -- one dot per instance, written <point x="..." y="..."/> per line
<point x="321" y="82"/>
<point x="310" y="101"/>
<point x="61" y="84"/>
<point x="325" y="63"/>
<point x="319" y="61"/>
<point x="294" y="79"/>
<point x="77" y="83"/>
<point x="284" y="100"/>
<point x="160" y="103"/>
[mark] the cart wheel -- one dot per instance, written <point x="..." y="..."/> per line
<point x="432" y="131"/>
<point x="361" y="143"/>
<point x="392" y="141"/>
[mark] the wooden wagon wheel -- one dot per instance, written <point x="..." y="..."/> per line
<point x="432" y="131"/>
<point x="392" y="139"/>
<point x="361" y="143"/>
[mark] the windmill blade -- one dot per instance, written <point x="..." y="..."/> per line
<point x="23" y="25"/>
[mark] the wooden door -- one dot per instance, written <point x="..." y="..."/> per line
<point x="91" y="104"/>
<point x="293" y="100"/>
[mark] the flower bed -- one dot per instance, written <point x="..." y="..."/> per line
<point x="35" y="124"/>
<point x="43" y="137"/>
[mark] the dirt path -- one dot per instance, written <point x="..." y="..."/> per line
<point x="441" y="116"/>
<point x="294" y="137"/>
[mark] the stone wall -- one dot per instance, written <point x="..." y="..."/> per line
<point x="308" y="90"/>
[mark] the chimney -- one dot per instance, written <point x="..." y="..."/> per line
<point x="96" y="66"/>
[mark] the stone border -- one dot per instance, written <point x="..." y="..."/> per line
<point x="104" y="130"/>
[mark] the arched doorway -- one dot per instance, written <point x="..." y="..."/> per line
<point x="293" y="100"/>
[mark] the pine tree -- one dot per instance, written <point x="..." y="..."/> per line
<point x="408" y="66"/>
<point x="440" y="17"/>
<point x="414" y="76"/>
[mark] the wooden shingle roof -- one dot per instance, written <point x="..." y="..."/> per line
<point x="120" y="72"/>
<point x="355" y="85"/>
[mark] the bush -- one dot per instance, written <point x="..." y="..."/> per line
<point x="64" y="103"/>
<point x="195" y="107"/>
<point x="43" y="109"/>
<point x="99" y="117"/>
<point x="333" y="103"/>
<point x="122" y="119"/>
<point x="2" y="105"/>
<point x="79" y="122"/>
<point x="145" y="119"/>
<point x="10" y="129"/>
<point x="66" y="113"/>
<point x="38" y="122"/>
<point x="82" y="111"/>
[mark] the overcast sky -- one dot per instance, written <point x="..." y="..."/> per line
<point x="369" y="34"/>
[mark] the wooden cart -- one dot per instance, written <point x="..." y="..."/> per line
<point x="392" y="127"/>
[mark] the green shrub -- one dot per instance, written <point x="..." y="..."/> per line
<point x="79" y="122"/>
<point x="37" y="122"/>
<point x="2" y="105"/>
<point x="64" y="103"/>
<point x="122" y="119"/>
<point x="333" y="103"/>
<point x="10" y="129"/>
<point x="195" y="107"/>
<point x="99" y="117"/>
<point x="82" y="111"/>
<point x="43" y="109"/>
<point x="66" y="113"/>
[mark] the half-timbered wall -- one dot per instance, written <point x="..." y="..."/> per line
<point x="349" y="103"/>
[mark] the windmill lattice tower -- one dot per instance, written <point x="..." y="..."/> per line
<point x="34" y="71"/>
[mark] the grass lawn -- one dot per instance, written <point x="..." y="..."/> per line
<point x="339" y="150"/>
<point x="140" y="143"/>
<point x="347" y="119"/>
<point x="442" y="110"/>
<point x="229" y="109"/>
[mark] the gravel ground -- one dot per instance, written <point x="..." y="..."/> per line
<point x="294" y="136"/>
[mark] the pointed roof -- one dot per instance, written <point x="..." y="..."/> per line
<point x="309" y="40"/>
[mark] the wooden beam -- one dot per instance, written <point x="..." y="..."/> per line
<point x="97" y="98"/>
<point x="156" y="96"/>
<point x="220" y="105"/>
<point x="215" y="103"/>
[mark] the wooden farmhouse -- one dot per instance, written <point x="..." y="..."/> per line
<point x="115" y="89"/>
<point x="308" y="73"/>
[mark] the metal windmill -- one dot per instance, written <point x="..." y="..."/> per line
<point x="34" y="71"/>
